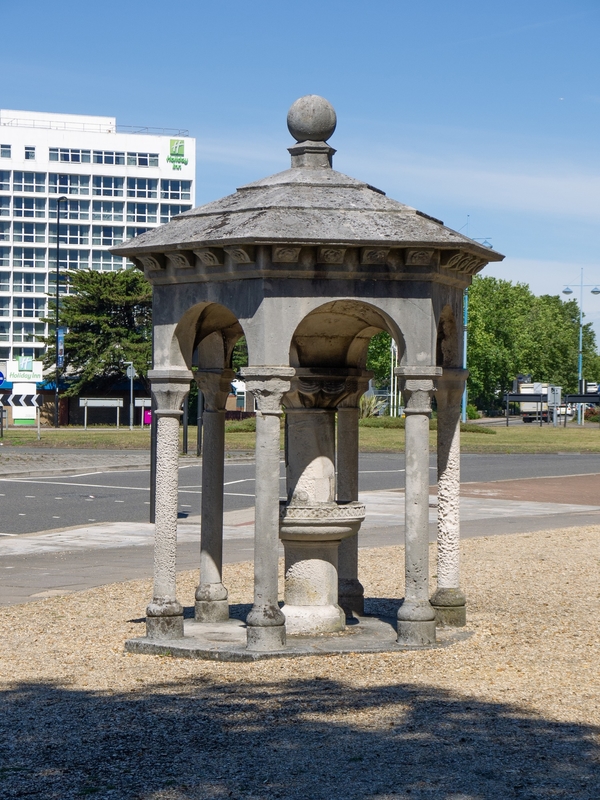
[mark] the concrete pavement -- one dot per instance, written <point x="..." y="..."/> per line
<point x="44" y="564"/>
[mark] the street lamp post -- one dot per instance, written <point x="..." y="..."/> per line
<point x="57" y="375"/>
<point x="568" y="290"/>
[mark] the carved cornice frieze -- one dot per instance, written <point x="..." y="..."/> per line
<point x="181" y="259"/>
<point x="210" y="256"/>
<point x="285" y="255"/>
<point x="240" y="254"/>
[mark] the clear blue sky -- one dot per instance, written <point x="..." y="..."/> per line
<point x="483" y="110"/>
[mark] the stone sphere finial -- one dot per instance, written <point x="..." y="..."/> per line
<point x="311" y="118"/>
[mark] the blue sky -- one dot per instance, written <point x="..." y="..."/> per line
<point x="478" y="111"/>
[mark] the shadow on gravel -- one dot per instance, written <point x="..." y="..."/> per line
<point x="198" y="740"/>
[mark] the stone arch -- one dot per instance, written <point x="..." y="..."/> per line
<point x="447" y="346"/>
<point x="212" y="329"/>
<point x="337" y="335"/>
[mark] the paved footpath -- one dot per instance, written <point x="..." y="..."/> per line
<point x="39" y="565"/>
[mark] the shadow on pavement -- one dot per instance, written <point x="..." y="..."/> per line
<point x="308" y="739"/>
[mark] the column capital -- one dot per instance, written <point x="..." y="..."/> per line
<point x="215" y="385"/>
<point x="417" y="385"/>
<point x="268" y="385"/>
<point x="325" y="388"/>
<point x="170" y="387"/>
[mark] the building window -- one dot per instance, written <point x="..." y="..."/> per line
<point x="107" y="210"/>
<point x="175" y="190"/>
<point x="5" y="151"/>
<point x="69" y="259"/>
<point x="70" y="234"/>
<point x="103" y="260"/>
<point x="75" y="209"/>
<point x="4" y="231"/>
<point x="131" y="232"/>
<point x="4" y="306"/>
<point x="68" y="184"/>
<point x="142" y="159"/>
<point x="28" y="331"/>
<point x="108" y="157"/>
<point x="4" y="331"/>
<point x="4" y="180"/>
<point x="29" y="153"/>
<point x="4" y="206"/>
<point x="142" y="212"/>
<point x="106" y="235"/>
<point x="29" y="257"/>
<point x="4" y="257"/>
<point x="25" y="307"/>
<point x="29" y="283"/>
<point x="29" y="181"/>
<point x="4" y="281"/>
<point x="167" y="212"/>
<point x="29" y="207"/>
<point x="142" y="187"/>
<point x="69" y="154"/>
<point x="108" y="186"/>
<point x="29" y="232"/>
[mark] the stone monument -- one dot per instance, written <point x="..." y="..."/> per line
<point x="308" y="264"/>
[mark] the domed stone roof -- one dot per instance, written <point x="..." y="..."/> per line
<point x="311" y="204"/>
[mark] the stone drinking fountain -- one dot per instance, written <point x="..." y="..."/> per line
<point x="308" y="265"/>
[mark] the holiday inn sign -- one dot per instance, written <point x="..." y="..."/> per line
<point x="177" y="153"/>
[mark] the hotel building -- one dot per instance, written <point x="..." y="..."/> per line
<point x="117" y="183"/>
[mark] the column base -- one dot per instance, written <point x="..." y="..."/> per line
<point x="314" y="619"/>
<point x="211" y="610"/>
<point x="351" y="596"/>
<point x="164" y="627"/>
<point x="416" y="633"/>
<point x="450" y="608"/>
<point x="265" y="639"/>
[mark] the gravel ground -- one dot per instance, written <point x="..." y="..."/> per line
<point x="512" y="712"/>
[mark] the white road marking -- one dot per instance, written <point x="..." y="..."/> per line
<point x="119" y="501"/>
<point x="21" y="515"/>
<point x="30" y="497"/>
<point x="243" y="480"/>
<point x="8" y="534"/>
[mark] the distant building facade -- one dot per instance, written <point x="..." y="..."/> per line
<point x="117" y="184"/>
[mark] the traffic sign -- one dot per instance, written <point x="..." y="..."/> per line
<point x="1" y="378"/>
<point x="21" y="400"/>
<point x="131" y="373"/>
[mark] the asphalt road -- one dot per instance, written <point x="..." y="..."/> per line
<point x="29" y="505"/>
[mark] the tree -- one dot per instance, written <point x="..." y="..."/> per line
<point x="379" y="359"/>
<point x="108" y="317"/>
<point x="512" y="331"/>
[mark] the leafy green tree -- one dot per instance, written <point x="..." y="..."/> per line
<point x="108" y="317"/>
<point x="512" y="331"/>
<point x="379" y="359"/>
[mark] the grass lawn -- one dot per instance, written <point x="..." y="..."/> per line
<point x="515" y="439"/>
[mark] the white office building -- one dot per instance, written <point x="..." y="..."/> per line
<point x="117" y="183"/>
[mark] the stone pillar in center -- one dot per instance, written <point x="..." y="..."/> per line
<point x="312" y="523"/>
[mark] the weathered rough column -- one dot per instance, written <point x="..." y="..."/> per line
<point x="164" y="615"/>
<point x="266" y="622"/>
<point x="448" y="600"/>
<point x="351" y="594"/>
<point x="416" y="616"/>
<point x="211" y="596"/>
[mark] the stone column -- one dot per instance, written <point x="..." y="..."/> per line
<point x="351" y="594"/>
<point x="416" y="616"/>
<point x="266" y="622"/>
<point x="211" y="596"/>
<point x="164" y="615"/>
<point x="449" y="601"/>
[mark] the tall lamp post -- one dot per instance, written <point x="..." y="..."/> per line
<point x="568" y="290"/>
<point x="56" y="377"/>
